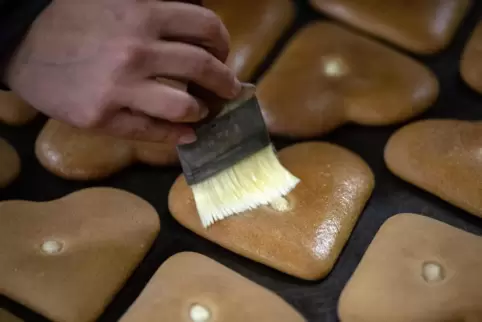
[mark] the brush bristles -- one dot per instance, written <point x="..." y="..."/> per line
<point x="255" y="181"/>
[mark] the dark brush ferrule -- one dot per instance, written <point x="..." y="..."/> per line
<point x="224" y="141"/>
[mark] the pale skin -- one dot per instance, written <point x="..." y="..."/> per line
<point x="95" y="64"/>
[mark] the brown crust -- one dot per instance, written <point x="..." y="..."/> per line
<point x="442" y="157"/>
<point x="306" y="240"/>
<point x="328" y="76"/>
<point x="424" y="27"/>
<point x="79" y="155"/>
<point x="15" y="111"/>
<point x="389" y="286"/>
<point x="187" y="278"/>
<point x="10" y="163"/>
<point x="104" y="234"/>
<point x="254" y="27"/>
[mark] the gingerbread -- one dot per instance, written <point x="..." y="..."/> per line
<point x="442" y="157"/>
<point x="67" y="258"/>
<point x="423" y="27"/>
<point x="78" y="154"/>
<point x="328" y="76"/>
<point x="416" y="269"/>
<point x="14" y="110"/>
<point x="471" y="65"/>
<point x="10" y="163"/>
<point x="304" y="233"/>
<point x="190" y="287"/>
<point x="254" y="27"/>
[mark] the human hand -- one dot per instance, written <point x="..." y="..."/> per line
<point x="94" y="64"/>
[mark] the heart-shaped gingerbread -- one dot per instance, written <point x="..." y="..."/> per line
<point x="443" y="157"/>
<point x="67" y="258"/>
<point x="471" y="64"/>
<point x="302" y="234"/>
<point x="193" y="288"/>
<point x="78" y="154"/>
<point x="15" y="111"/>
<point x="416" y="269"/>
<point x="328" y="76"/>
<point x="6" y="316"/>
<point x="424" y="27"/>
<point x="9" y="163"/>
<point x="254" y="27"/>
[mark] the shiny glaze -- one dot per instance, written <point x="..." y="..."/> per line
<point x="421" y="26"/>
<point x="78" y="154"/>
<point x="328" y="76"/>
<point x="305" y="240"/>
<point x="471" y="62"/>
<point x="443" y="157"/>
<point x="15" y="111"/>
<point x="104" y="234"/>
<point x="254" y="27"/>
<point x="9" y="163"/>
<point x="388" y="284"/>
<point x="188" y="279"/>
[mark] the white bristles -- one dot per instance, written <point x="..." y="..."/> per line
<point x="255" y="181"/>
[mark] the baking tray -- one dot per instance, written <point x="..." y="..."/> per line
<point x="317" y="301"/>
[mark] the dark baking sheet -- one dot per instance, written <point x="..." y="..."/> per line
<point x="317" y="301"/>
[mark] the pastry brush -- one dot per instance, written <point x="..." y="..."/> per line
<point x="232" y="167"/>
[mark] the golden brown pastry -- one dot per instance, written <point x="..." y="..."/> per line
<point x="443" y="157"/>
<point x="471" y="62"/>
<point x="254" y="27"/>
<point x="9" y="163"/>
<point x="303" y="234"/>
<point x="420" y="26"/>
<point x="416" y="269"/>
<point x="328" y="76"/>
<point x="79" y="155"/>
<point x="67" y="258"/>
<point x="6" y="316"/>
<point x="14" y="111"/>
<point x="190" y="287"/>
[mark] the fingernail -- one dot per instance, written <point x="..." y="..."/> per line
<point x="187" y="138"/>
<point x="237" y="88"/>
<point x="203" y="112"/>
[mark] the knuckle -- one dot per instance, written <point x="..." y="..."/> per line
<point x="132" y="53"/>
<point x="204" y="64"/>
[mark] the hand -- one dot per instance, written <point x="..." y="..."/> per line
<point x="94" y="64"/>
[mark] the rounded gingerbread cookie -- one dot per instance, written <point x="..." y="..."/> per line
<point x="9" y="163"/>
<point x="442" y="157"/>
<point x="15" y="111"/>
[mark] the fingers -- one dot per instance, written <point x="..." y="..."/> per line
<point x="136" y="126"/>
<point x="191" y="24"/>
<point x="161" y="101"/>
<point x="192" y="64"/>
